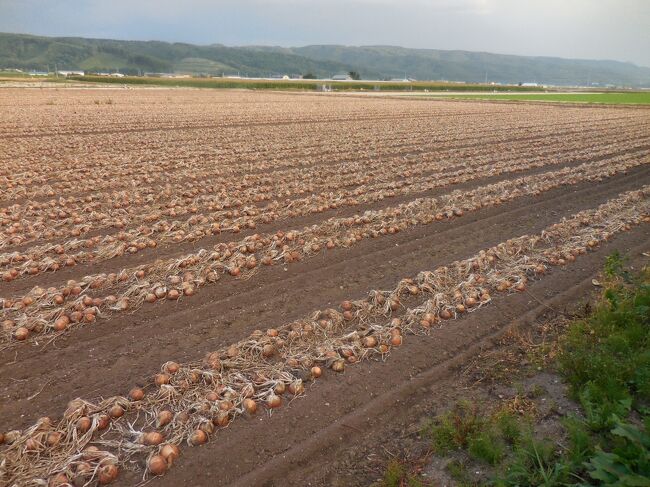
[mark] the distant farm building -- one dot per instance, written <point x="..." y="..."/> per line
<point x="342" y="77"/>
<point x="70" y="73"/>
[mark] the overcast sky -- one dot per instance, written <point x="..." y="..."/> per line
<point x="594" y="29"/>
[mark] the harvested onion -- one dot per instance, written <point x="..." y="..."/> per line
<point x="274" y="401"/>
<point x="164" y="418"/>
<point x="107" y="474"/>
<point x="152" y="438"/>
<point x="136" y="394"/>
<point x="250" y="405"/>
<point x="157" y="465"/>
<point x="170" y="452"/>
<point x="198" y="437"/>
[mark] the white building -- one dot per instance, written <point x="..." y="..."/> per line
<point x="70" y="73"/>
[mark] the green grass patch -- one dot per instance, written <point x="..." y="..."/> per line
<point x="608" y="98"/>
<point x="397" y="475"/>
<point x="606" y="357"/>
<point x="464" y="427"/>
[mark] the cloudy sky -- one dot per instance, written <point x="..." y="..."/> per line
<point x="594" y="29"/>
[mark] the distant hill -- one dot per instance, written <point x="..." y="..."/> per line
<point x="373" y="62"/>
<point x="35" y="52"/>
<point x="473" y="66"/>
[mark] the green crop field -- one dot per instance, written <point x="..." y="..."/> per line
<point x="610" y="98"/>
<point x="309" y="85"/>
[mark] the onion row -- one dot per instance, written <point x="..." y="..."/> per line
<point x="189" y="402"/>
<point x="149" y="161"/>
<point x="55" y="310"/>
<point x="48" y="220"/>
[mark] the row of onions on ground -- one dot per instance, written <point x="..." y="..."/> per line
<point x="52" y="257"/>
<point x="124" y="118"/>
<point x="57" y="309"/>
<point x="72" y="217"/>
<point x="34" y="179"/>
<point x="205" y="179"/>
<point x="190" y="402"/>
<point x="48" y="220"/>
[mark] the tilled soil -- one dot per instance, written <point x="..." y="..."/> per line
<point x="306" y="442"/>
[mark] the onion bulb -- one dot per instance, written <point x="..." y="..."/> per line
<point x="157" y="465"/>
<point x="103" y="421"/>
<point x="107" y="474"/>
<point x="91" y="453"/>
<point x="61" y="323"/>
<point x="164" y="418"/>
<point x="53" y="438"/>
<point x="445" y="314"/>
<point x="296" y="388"/>
<point x="338" y="365"/>
<point x="83" y="470"/>
<point x="250" y="405"/>
<point x="268" y="350"/>
<point x="316" y="372"/>
<point x="170" y="452"/>
<point x="152" y="438"/>
<point x="198" y="437"/>
<point x="21" y="333"/>
<point x="136" y="394"/>
<point x="116" y="411"/>
<point x="58" y="480"/>
<point x="274" y="401"/>
<point x="161" y="379"/>
<point x="221" y="419"/>
<point x="171" y="367"/>
<point x="83" y="424"/>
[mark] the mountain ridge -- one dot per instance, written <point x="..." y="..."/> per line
<point x="373" y="62"/>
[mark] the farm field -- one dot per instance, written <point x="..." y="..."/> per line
<point x="244" y="288"/>
<point x="612" y="98"/>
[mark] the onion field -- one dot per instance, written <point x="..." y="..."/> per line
<point x="205" y="287"/>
